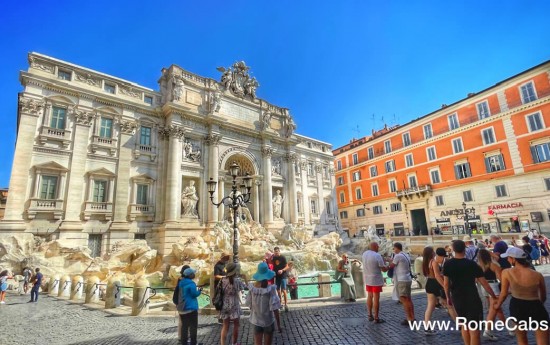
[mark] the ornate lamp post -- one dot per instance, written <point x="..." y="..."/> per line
<point x="467" y="213"/>
<point x="235" y="200"/>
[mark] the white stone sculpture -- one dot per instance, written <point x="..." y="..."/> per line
<point x="177" y="90"/>
<point x="191" y="152"/>
<point x="237" y="80"/>
<point x="276" y="167"/>
<point x="277" y="205"/>
<point x="215" y="101"/>
<point x="189" y="201"/>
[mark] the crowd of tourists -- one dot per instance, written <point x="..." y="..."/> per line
<point x="26" y="279"/>
<point x="459" y="276"/>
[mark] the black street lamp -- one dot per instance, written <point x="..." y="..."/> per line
<point x="235" y="200"/>
<point x="467" y="228"/>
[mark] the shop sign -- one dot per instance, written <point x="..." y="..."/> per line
<point x="536" y="217"/>
<point x="456" y="212"/>
<point x="505" y="206"/>
<point x="442" y="220"/>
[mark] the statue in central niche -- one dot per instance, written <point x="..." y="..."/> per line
<point x="277" y="205"/>
<point x="189" y="200"/>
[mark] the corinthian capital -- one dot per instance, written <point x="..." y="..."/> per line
<point x="31" y="106"/>
<point x="171" y="131"/>
<point x="213" y="139"/>
<point x="267" y="151"/>
<point x="290" y="157"/>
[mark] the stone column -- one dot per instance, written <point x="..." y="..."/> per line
<point x="71" y="227"/>
<point x="29" y="111"/>
<point x="140" y="297"/>
<point x="305" y="194"/>
<point x="172" y="209"/>
<point x="257" y="184"/>
<point x="213" y="140"/>
<point x="293" y="193"/>
<point x="268" y="191"/>
<point x="162" y="149"/>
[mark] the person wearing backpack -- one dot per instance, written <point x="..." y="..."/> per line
<point x="176" y="295"/>
<point x="188" y="306"/>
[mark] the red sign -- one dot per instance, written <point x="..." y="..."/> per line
<point x="491" y="212"/>
<point x="505" y="206"/>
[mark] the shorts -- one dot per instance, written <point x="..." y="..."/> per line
<point x="4" y="287"/>
<point x="265" y="330"/>
<point x="404" y="289"/>
<point x="433" y="287"/>
<point x="373" y="288"/>
<point x="470" y="309"/>
<point x="523" y="310"/>
<point x="281" y="283"/>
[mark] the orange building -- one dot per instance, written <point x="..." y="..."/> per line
<point x="482" y="162"/>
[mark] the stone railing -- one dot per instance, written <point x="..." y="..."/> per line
<point x="109" y="144"/>
<point x="136" y="210"/>
<point x="45" y="206"/>
<point x="423" y="189"/>
<point x="98" y="208"/>
<point x="145" y="150"/>
<point x="55" y="134"/>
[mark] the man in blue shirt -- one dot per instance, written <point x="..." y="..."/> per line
<point x="37" y="281"/>
<point x="500" y="247"/>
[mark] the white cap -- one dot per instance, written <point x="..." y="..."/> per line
<point x="514" y="252"/>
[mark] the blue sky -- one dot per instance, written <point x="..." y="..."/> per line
<point x="334" y="64"/>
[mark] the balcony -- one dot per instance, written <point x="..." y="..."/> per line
<point x="106" y="144"/>
<point x="102" y="209"/>
<point x="141" y="211"/>
<point x="55" y="134"/>
<point x="45" y="206"/>
<point x="419" y="191"/>
<point x="145" y="150"/>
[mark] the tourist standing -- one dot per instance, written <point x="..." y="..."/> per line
<point x="461" y="291"/>
<point x="280" y="267"/>
<point x="263" y="301"/>
<point x="528" y="291"/>
<point x="471" y="248"/>
<point x="4" y="276"/>
<point x="491" y="273"/>
<point x="219" y="269"/>
<point x="499" y="248"/>
<point x="373" y="265"/>
<point x="292" y="281"/>
<point x="343" y="275"/>
<point x="27" y="274"/>
<point x="176" y="295"/>
<point x="190" y="314"/>
<point x="403" y="281"/>
<point x="36" y="281"/>
<point x="231" y="310"/>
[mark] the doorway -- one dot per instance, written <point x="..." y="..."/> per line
<point x="419" y="224"/>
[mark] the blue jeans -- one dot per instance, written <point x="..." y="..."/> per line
<point x="34" y="293"/>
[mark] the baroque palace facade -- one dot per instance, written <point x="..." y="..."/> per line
<point x="99" y="159"/>
<point x="482" y="162"/>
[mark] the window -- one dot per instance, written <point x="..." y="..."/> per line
<point x="309" y="145"/>
<point x="339" y="165"/>
<point x="390" y="166"/>
<point x="141" y="196"/>
<point x="145" y="136"/>
<point x="541" y="153"/>
<point x="309" y="169"/>
<point x="467" y="195"/>
<point x="453" y="122"/>
<point x="488" y="136"/>
<point x="356" y="175"/>
<point x="377" y="210"/>
<point x="431" y="153"/>
<point x="58" y="118"/>
<point x="355" y="159"/>
<point x="434" y="176"/>
<point x="547" y="183"/>
<point x="342" y="197"/>
<point x="373" y="171"/>
<point x="393" y="186"/>
<point x="340" y="180"/>
<point x="501" y="191"/>
<point x="457" y="145"/>
<point x="140" y="236"/>
<point x="528" y="92"/>
<point x="48" y="187"/>
<point x="406" y="139"/>
<point x="326" y="174"/>
<point x="409" y="162"/>
<point x="462" y="171"/>
<point x="535" y="122"/>
<point x="358" y="194"/>
<point x="360" y="212"/>
<point x="439" y="200"/>
<point x="148" y="100"/>
<point x="387" y="146"/>
<point x="412" y="181"/>
<point x="370" y="152"/>
<point x="483" y="110"/>
<point x="64" y="75"/>
<point x="313" y="206"/>
<point x="110" y="88"/>
<point x="343" y="214"/>
<point x="106" y="128"/>
<point x="395" y="207"/>
<point x="100" y="191"/>
<point x="494" y="163"/>
<point x="374" y="188"/>
<point x="428" y="131"/>
<point x="327" y="207"/>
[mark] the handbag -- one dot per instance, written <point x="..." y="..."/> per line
<point x="218" y="299"/>
<point x="390" y="272"/>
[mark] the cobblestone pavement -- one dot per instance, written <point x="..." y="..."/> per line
<point x="52" y="321"/>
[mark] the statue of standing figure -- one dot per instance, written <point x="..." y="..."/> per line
<point x="277" y="205"/>
<point x="189" y="200"/>
<point x="177" y="91"/>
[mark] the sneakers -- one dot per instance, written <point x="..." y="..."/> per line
<point x="2" y="302"/>
<point x="490" y="336"/>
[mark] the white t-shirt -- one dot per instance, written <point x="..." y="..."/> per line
<point x="402" y="270"/>
<point x="372" y="261"/>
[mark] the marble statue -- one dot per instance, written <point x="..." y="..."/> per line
<point x="289" y="126"/>
<point x="251" y="86"/>
<point x="276" y="167"/>
<point x="189" y="200"/>
<point x="266" y="120"/>
<point x="277" y="205"/>
<point x="237" y="80"/>
<point x="215" y="101"/>
<point x="190" y="152"/>
<point x="177" y="91"/>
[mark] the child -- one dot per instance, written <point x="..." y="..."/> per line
<point x="4" y="276"/>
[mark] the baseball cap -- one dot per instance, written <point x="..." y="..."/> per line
<point x="188" y="272"/>
<point x="514" y="252"/>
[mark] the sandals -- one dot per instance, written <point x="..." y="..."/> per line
<point x="371" y="318"/>
<point x="379" y="321"/>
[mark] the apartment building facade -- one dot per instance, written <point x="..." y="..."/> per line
<point x="482" y="162"/>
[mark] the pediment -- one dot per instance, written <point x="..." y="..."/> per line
<point x="109" y="110"/>
<point x="142" y="177"/>
<point x="101" y="171"/>
<point x="61" y="99"/>
<point x="51" y="166"/>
